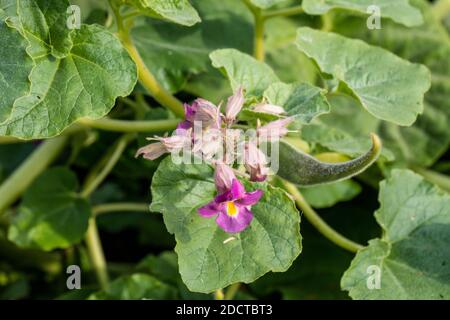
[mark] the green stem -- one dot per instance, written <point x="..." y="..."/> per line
<point x="97" y="257"/>
<point x="25" y="174"/>
<point x="231" y="291"/>
<point x="319" y="223"/>
<point x="93" y="180"/>
<point x="218" y="294"/>
<point x="259" y="30"/>
<point x="286" y="12"/>
<point x="439" y="179"/>
<point x="130" y="126"/>
<point x="110" y="159"/>
<point x="441" y="9"/>
<point x="120" y="207"/>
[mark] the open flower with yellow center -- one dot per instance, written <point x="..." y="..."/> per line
<point x="232" y="208"/>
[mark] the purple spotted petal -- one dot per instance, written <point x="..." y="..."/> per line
<point x="235" y="224"/>
<point x="209" y="210"/>
<point x="251" y="198"/>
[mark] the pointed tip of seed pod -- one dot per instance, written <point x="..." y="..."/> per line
<point x="376" y="144"/>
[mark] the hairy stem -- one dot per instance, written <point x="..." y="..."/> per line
<point x="319" y="223"/>
<point x="231" y="291"/>
<point x="130" y="126"/>
<point x="120" y="207"/>
<point x="285" y="12"/>
<point x="439" y="179"/>
<point x="25" y="174"/>
<point x="146" y="78"/>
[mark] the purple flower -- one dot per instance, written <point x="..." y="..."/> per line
<point x="234" y="105"/>
<point x="232" y="208"/>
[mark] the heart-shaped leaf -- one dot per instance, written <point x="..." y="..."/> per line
<point x="394" y="90"/>
<point x="411" y="259"/>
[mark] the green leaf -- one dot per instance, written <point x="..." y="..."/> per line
<point x="265" y="4"/>
<point x="346" y="129"/>
<point x="9" y="7"/>
<point x="400" y="10"/>
<point x="325" y="196"/>
<point x="270" y="243"/>
<point x="83" y="84"/>
<point x="242" y="69"/>
<point x="15" y="66"/>
<point x="429" y="137"/>
<point x="52" y="214"/>
<point x="137" y="286"/>
<point x="393" y="92"/>
<point x="302" y="100"/>
<point x="305" y="170"/>
<point x="413" y="252"/>
<point x="44" y="23"/>
<point x="178" y="11"/>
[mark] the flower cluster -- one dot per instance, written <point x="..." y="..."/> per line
<point x="207" y="132"/>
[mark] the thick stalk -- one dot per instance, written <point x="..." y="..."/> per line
<point x="148" y="80"/>
<point x="285" y="12"/>
<point x="25" y="174"/>
<point x="131" y="126"/>
<point x="441" y="9"/>
<point x="319" y="223"/>
<point x="259" y="30"/>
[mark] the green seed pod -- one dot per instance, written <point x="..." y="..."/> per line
<point x="304" y="170"/>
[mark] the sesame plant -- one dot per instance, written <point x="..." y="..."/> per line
<point x="236" y="149"/>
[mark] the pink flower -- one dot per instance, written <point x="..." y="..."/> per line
<point x="255" y="162"/>
<point x="268" y="108"/>
<point x="223" y="177"/>
<point x="234" y="105"/>
<point x="274" y="130"/>
<point x="207" y="113"/>
<point x="232" y="208"/>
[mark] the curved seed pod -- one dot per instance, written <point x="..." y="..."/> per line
<point x="304" y="170"/>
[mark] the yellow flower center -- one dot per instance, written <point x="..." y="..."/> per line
<point x="231" y="209"/>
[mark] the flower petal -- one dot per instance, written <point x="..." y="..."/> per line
<point x="209" y="210"/>
<point x="235" y="224"/>
<point x="234" y="104"/>
<point x="251" y="198"/>
<point x="152" y="151"/>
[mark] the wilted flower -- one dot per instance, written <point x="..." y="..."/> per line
<point x="223" y="177"/>
<point x="208" y="143"/>
<point x="234" y="105"/>
<point x="207" y="114"/>
<point x="255" y="162"/>
<point x="165" y="145"/>
<point x="268" y="108"/>
<point x="274" y="130"/>
<point x="232" y="208"/>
